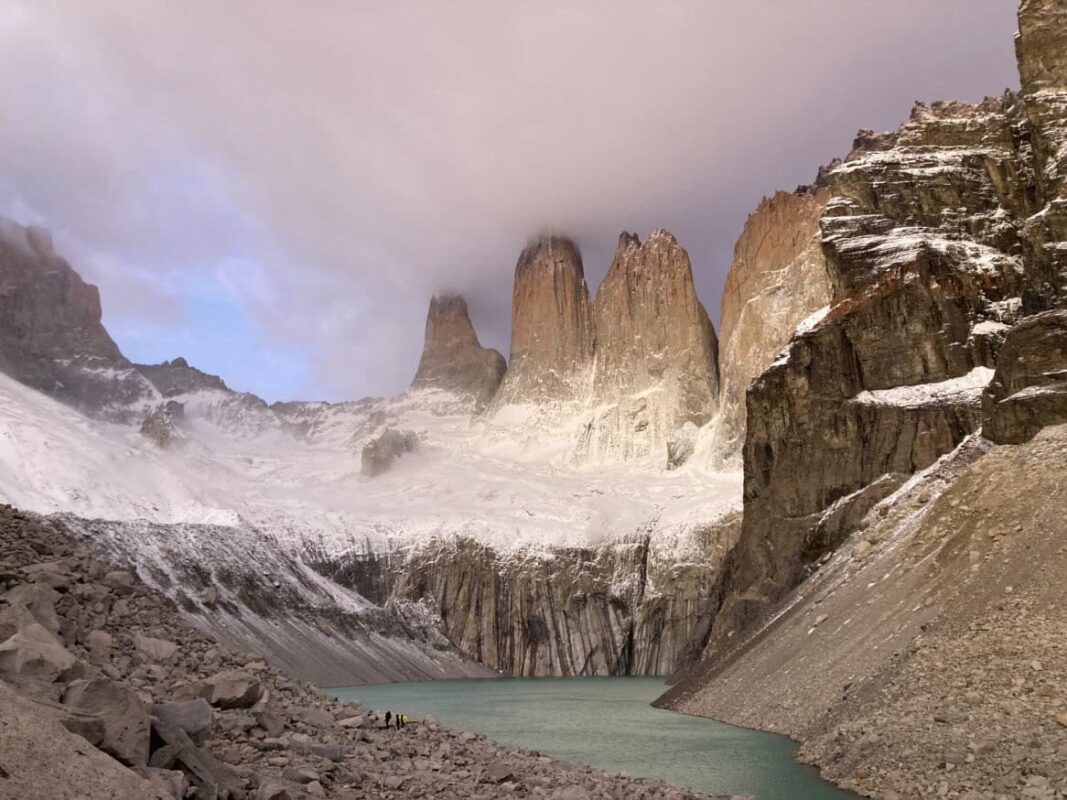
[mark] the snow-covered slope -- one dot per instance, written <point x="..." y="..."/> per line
<point x="462" y="480"/>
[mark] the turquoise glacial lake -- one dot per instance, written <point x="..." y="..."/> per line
<point x="608" y="723"/>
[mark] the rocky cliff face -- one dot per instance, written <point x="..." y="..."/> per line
<point x="1029" y="389"/>
<point x="173" y="378"/>
<point x="929" y="242"/>
<point x="777" y="280"/>
<point x="923" y="250"/>
<point x="551" y="326"/>
<point x="1040" y="46"/>
<point x="51" y="336"/>
<point x="52" y="339"/>
<point x="655" y="374"/>
<point x="452" y="358"/>
<point x="627" y="608"/>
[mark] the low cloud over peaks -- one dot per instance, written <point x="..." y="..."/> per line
<point x="278" y="188"/>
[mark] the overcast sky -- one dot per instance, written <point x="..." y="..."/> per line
<point x="275" y="189"/>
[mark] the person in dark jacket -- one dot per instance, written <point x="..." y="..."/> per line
<point x="388" y="718"/>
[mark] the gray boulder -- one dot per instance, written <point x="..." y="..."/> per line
<point x="167" y="782"/>
<point x="232" y="689"/>
<point x="315" y="717"/>
<point x="212" y="777"/>
<point x="127" y="725"/>
<point x="270" y="722"/>
<point x="99" y="643"/>
<point x="13" y="619"/>
<point x="163" y="426"/>
<point x="273" y="790"/>
<point x="120" y="581"/>
<point x="88" y="726"/>
<point x="35" y="652"/>
<point x="300" y="774"/>
<point x="155" y="649"/>
<point x="50" y="573"/>
<point x="194" y="717"/>
<point x="42" y="759"/>
<point x="39" y="600"/>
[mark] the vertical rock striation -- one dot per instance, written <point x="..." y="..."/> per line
<point x="452" y="358"/>
<point x="778" y="279"/>
<point x="551" y="326"/>
<point x="655" y="377"/>
<point x="630" y="607"/>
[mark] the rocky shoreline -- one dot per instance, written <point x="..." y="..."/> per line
<point x="102" y="680"/>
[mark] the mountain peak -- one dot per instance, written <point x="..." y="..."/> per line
<point x="551" y="323"/>
<point x="452" y="357"/>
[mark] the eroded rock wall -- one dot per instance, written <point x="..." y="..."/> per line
<point x="1029" y="389"/>
<point x="631" y="607"/>
<point x="777" y="280"/>
<point x="629" y="377"/>
<point x="1040" y="47"/>
<point x="923" y="244"/>
<point x="937" y="238"/>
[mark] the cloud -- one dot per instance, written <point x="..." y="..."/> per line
<point x="326" y="167"/>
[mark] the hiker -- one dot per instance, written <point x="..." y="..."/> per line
<point x="388" y="718"/>
<point x="398" y="723"/>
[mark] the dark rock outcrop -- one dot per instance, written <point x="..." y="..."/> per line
<point x="176" y="377"/>
<point x="551" y="326"/>
<point x="935" y="236"/>
<point x="163" y="426"/>
<point x="381" y="453"/>
<point x="452" y="358"/>
<point x="1029" y="389"/>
